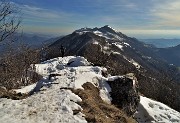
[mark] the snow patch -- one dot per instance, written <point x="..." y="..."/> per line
<point x="118" y="45"/>
<point x="97" y="32"/>
<point x="105" y="47"/>
<point x="25" y="89"/>
<point x="112" y="28"/>
<point x="135" y="64"/>
<point x="126" y="44"/>
<point x="102" y="34"/>
<point x="104" y="91"/>
<point x="116" y="53"/>
<point x="112" y="78"/>
<point x="95" y="42"/>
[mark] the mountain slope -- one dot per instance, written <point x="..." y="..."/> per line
<point x="171" y="54"/>
<point x="121" y="54"/>
<point x="32" y="40"/>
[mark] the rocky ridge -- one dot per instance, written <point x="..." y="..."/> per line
<point x="121" y="54"/>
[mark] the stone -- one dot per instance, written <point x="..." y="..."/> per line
<point x="124" y="94"/>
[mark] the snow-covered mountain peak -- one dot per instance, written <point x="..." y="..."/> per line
<point x="85" y="29"/>
<point x="112" y="28"/>
<point x="105" y="31"/>
<point x="107" y="28"/>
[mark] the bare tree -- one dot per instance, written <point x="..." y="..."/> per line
<point x="17" y="66"/>
<point x="9" y="19"/>
<point x="17" y="63"/>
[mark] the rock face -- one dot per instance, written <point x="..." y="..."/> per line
<point x="124" y="93"/>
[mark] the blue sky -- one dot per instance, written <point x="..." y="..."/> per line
<point x="137" y="18"/>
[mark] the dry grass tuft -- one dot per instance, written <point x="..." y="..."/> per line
<point x="98" y="111"/>
<point x="11" y="94"/>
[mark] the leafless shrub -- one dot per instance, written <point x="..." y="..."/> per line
<point x="17" y="67"/>
<point x="9" y="19"/>
<point x="47" y="53"/>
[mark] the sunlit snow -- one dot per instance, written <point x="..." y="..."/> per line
<point x="52" y="101"/>
<point x="150" y="111"/>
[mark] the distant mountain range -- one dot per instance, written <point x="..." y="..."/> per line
<point x="33" y="40"/>
<point x="122" y="54"/>
<point x="171" y="54"/>
<point x="167" y="49"/>
<point x="162" y="43"/>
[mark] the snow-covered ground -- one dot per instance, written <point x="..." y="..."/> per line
<point x="150" y="111"/>
<point x="50" y="103"/>
<point x="53" y="102"/>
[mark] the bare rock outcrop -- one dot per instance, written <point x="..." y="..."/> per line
<point x="124" y="93"/>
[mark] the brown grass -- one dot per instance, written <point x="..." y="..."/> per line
<point x="11" y="94"/>
<point x="98" y="111"/>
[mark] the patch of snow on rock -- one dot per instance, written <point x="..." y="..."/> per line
<point x="116" y="53"/>
<point x="113" y="28"/>
<point x="135" y="64"/>
<point x="126" y="44"/>
<point x="105" y="47"/>
<point x="118" y="45"/>
<point x="116" y="36"/>
<point x="112" y="78"/>
<point x="98" y="33"/>
<point x="95" y="42"/>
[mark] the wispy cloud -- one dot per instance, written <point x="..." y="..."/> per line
<point x="66" y="16"/>
<point x="37" y="19"/>
<point x="32" y="12"/>
<point x="167" y="13"/>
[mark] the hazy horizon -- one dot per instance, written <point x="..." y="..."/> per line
<point x="138" y="36"/>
